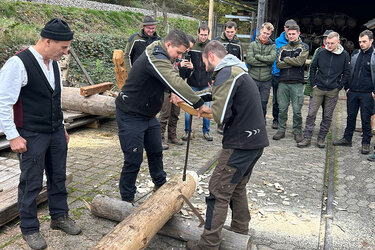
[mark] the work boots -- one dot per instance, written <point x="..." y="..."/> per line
<point x="278" y="135"/>
<point x="320" y="143"/>
<point x="176" y="141"/>
<point x="365" y="149"/>
<point x="298" y="138"/>
<point x="343" y="142"/>
<point x="35" y="240"/>
<point x="66" y="224"/>
<point x="229" y="228"/>
<point x="304" y="143"/>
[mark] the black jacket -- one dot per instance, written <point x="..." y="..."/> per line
<point x="291" y="61"/>
<point x="362" y="67"/>
<point x="200" y="77"/>
<point x="330" y="70"/>
<point x="152" y="74"/>
<point x="233" y="47"/>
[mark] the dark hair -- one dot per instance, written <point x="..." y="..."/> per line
<point x="191" y="39"/>
<point x="177" y="38"/>
<point x="294" y="27"/>
<point x="367" y="33"/>
<point x="230" y="24"/>
<point x="216" y="47"/>
<point x="203" y="26"/>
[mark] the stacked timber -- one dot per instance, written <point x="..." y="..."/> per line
<point x="9" y="178"/>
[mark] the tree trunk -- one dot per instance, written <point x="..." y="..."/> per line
<point x="95" y="104"/>
<point x="136" y="230"/>
<point x="176" y="227"/>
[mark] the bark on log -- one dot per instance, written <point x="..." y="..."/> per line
<point x="177" y="227"/>
<point x="136" y="230"/>
<point x="95" y="104"/>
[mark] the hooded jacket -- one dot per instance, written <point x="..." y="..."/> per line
<point x="280" y="42"/>
<point x="137" y="43"/>
<point x="260" y="57"/>
<point x="235" y="103"/>
<point x="330" y="70"/>
<point x="152" y="73"/>
<point x="200" y="77"/>
<point x="233" y="47"/>
<point x="291" y="61"/>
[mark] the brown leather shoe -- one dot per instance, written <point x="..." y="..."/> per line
<point x="176" y="141"/>
<point x="192" y="245"/>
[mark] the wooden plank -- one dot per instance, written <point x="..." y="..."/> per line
<point x="95" y="89"/>
<point x="9" y="196"/>
<point x="84" y="121"/>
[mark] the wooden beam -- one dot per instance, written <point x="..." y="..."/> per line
<point x="96" y="88"/>
<point x="136" y="230"/>
<point x="210" y="18"/>
<point x="261" y="13"/>
<point x="74" y="55"/>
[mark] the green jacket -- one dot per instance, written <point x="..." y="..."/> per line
<point x="260" y="58"/>
<point x="308" y="88"/>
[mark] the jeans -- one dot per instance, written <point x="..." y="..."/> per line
<point x="264" y="90"/>
<point x="206" y="122"/>
<point x="275" y="105"/>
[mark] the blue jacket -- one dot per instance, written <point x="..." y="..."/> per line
<point x="280" y="42"/>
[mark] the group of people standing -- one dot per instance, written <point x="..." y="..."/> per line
<point x="331" y="70"/>
<point x="208" y="75"/>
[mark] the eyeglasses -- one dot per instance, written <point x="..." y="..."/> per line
<point x="203" y="34"/>
<point x="330" y="44"/>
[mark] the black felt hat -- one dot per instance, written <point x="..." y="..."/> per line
<point x="57" y="29"/>
<point x="148" y="20"/>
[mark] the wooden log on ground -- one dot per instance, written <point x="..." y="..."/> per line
<point x="120" y="70"/>
<point x="96" y="88"/>
<point x="94" y="105"/>
<point x="136" y="230"/>
<point x="177" y="227"/>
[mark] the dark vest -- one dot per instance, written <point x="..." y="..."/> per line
<point x="39" y="106"/>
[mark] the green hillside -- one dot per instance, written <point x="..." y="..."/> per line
<point x="97" y="33"/>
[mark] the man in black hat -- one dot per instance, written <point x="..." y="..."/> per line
<point x="138" y="42"/>
<point x="31" y="85"/>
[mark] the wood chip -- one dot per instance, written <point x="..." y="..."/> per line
<point x="293" y="195"/>
<point x="286" y="203"/>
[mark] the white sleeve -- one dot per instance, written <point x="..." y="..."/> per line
<point x="13" y="76"/>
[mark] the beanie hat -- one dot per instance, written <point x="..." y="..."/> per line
<point x="57" y="29"/>
<point x="148" y="20"/>
<point x="290" y="23"/>
<point x="327" y="32"/>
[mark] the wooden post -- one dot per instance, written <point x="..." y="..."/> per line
<point x="120" y="71"/>
<point x="136" y="230"/>
<point x="253" y="20"/>
<point x="261" y="11"/>
<point x="210" y="17"/>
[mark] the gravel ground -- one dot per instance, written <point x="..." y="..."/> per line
<point x="99" y="6"/>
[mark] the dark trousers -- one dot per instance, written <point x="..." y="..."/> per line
<point x="365" y="103"/>
<point x="319" y="97"/>
<point x="264" y="90"/>
<point x="135" y="133"/>
<point x="227" y="188"/>
<point x="169" y="117"/>
<point x="275" y="105"/>
<point x="45" y="152"/>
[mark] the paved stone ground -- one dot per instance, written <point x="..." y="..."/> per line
<point x="286" y="190"/>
